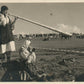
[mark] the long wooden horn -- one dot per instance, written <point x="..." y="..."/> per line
<point x="39" y="24"/>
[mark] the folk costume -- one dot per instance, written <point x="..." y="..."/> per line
<point x="6" y="36"/>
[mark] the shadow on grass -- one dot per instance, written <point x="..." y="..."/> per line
<point x="11" y="72"/>
<point x="80" y="78"/>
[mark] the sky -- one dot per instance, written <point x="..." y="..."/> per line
<point x="66" y="17"/>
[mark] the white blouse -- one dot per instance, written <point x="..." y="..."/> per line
<point x="3" y="20"/>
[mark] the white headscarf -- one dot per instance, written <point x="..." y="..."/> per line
<point x="24" y="53"/>
<point x="26" y="44"/>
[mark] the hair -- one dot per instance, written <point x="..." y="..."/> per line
<point x="3" y="8"/>
<point x="33" y="50"/>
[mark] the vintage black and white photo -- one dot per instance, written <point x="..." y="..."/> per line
<point x="41" y="42"/>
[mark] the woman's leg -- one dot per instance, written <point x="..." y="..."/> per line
<point x="2" y="56"/>
<point x="2" y="51"/>
<point x="8" y="56"/>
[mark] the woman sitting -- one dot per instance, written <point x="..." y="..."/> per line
<point x="27" y="60"/>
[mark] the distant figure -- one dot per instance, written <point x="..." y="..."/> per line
<point x="7" y="43"/>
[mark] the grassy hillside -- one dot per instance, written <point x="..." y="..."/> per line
<point x="51" y="61"/>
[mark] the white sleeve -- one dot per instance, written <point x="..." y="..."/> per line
<point x="2" y="20"/>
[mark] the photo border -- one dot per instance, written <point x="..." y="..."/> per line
<point x="41" y="1"/>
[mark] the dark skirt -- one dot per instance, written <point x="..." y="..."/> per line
<point x="6" y="34"/>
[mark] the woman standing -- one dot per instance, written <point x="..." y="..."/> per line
<point x="7" y="43"/>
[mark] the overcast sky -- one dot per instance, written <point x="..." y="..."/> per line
<point x="67" y="17"/>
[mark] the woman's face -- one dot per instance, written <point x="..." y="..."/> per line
<point x="5" y="12"/>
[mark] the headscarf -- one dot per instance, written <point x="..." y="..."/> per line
<point x="24" y="53"/>
<point x="26" y="44"/>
